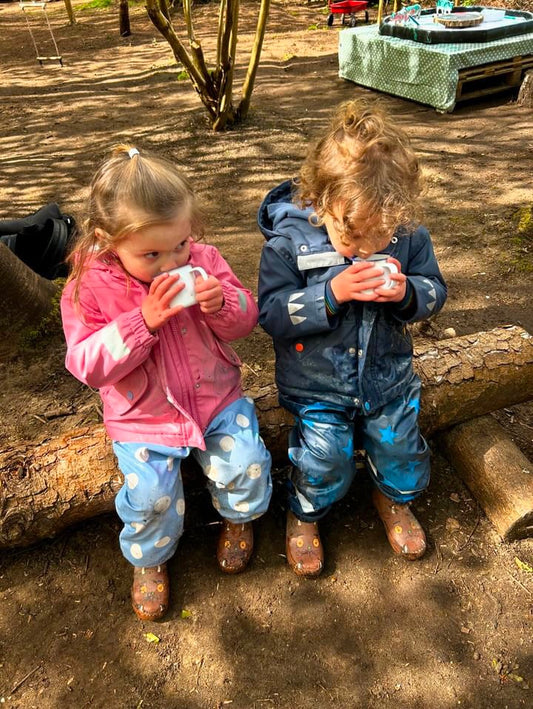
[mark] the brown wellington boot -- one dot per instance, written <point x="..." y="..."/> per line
<point x="150" y="591"/>
<point x="235" y="546"/>
<point x="404" y="531"/>
<point x="305" y="552"/>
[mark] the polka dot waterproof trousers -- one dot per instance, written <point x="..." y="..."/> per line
<point x="151" y="503"/>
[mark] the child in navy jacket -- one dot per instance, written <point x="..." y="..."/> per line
<point x="343" y="352"/>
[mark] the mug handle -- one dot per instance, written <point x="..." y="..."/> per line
<point x="200" y="271"/>
<point x="391" y="268"/>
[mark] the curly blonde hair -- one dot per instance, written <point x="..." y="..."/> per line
<point x="365" y="168"/>
<point x="129" y="191"/>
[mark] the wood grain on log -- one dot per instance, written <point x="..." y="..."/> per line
<point x="44" y="488"/>
<point x="465" y="377"/>
<point x="47" y="486"/>
<point x="496" y="471"/>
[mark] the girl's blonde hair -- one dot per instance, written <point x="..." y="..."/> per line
<point x="365" y="168"/>
<point x="131" y="190"/>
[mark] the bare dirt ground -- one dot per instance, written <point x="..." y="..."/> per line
<point x="453" y="629"/>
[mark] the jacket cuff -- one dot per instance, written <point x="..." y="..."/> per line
<point x="332" y="306"/>
<point x="141" y="334"/>
<point x="236" y="302"/>
<point x="229" y="301"/>
<point x="406" y="308"/>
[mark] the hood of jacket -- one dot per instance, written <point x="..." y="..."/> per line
<point x="278" y="215"/>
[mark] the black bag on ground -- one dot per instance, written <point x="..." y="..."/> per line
<point x="40" y="240"/>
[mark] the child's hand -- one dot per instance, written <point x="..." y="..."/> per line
<point x="350" y="283"/>
<point x="155" y="308"/>
<point x="361" y="276"/>
<point x="396" y="292"/>
<point x="209" y="295"/>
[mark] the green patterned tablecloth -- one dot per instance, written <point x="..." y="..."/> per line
<point x="421" y="72"/>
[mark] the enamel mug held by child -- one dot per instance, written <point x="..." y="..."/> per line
<point x="169" y="381"/>
<point x="344" y="270"/>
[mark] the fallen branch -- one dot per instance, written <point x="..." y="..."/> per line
<point x="495" y="470"/>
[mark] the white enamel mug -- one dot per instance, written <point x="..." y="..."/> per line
<point x="188" y="275"/>
<point x="380" y="261"/>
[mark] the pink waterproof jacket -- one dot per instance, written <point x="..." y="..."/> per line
<point x="163" y="388"/>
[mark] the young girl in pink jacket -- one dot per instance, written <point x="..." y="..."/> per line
<point x="169" y="382"/>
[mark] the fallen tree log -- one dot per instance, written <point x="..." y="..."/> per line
<point x="462" y="378"/>
<point x="465" y="377"/>
<point x="496" y="471"/>
<point x="46" y="487"/>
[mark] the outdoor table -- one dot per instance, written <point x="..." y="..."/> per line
<point x="438" y="75"/>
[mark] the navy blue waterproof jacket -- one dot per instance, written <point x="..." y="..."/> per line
<point x="360" y="357"/>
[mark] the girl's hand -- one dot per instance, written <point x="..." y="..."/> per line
<point x="361" y="276"/>
<point x="209" y="294"/>
<point x="155" y="308"/>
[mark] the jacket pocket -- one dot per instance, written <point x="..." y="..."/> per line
<point x="126" y="393"/>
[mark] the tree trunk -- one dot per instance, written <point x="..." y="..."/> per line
<point x="70" y="12"/>
<point x="214" y="85"/>
<point x="197" y="77"/>
<point x="26" y="298"/>
<point x="253" y="64"/>
<point x="44" y="488"/>
<point x="124" y="18"/>
<point x="497" y="473"/>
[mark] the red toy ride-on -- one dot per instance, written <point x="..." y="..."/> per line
<point x="347" y="10"/>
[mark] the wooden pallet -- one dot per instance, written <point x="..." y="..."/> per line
<point x="487" y="79"/>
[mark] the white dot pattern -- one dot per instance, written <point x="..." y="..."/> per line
<point x="132" y="480"/>
<point x="162" y="504"/>
<point x="162" y="542"/>
<point x="235" y="463"/>
<point x="142" y="455"/>
<point x="227" y="443"/>
<point x="136" y="551"/>
<point x="242" y="420"/>
<point x="242" y="506"/>
<point x="253" y="471"/>
<point x="212" y="472"/>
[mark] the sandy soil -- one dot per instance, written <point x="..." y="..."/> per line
<point x="451" y="630"/>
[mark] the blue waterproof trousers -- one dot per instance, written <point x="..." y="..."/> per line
<point x="322" y="445"/>
<point x="151" y="502"/>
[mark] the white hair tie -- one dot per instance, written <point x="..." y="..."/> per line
<point x="132" y="152"/>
